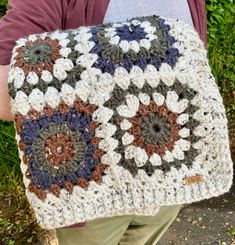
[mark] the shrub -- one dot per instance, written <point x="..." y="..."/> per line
<point x="221" y="47"/>
<point x="3" y="7"/>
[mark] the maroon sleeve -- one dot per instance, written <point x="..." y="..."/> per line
<point x="26" y="17"/>
<point x="198" y="12"/>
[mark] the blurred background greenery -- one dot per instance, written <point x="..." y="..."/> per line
<point x="3" y="7"/>
<point x="221" y="52"/>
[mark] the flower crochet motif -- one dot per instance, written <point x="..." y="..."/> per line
<point x="117" y="119"/>
<point x="60" y="148"/>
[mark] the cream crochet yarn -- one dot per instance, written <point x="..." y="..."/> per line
<point x="117" y="119"/>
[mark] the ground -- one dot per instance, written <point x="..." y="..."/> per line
<point x="208" y="222"/>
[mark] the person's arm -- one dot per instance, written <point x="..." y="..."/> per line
<point x="198" y="12"/>
<point x="5" y="112"/>
<point x="23" y="18"/>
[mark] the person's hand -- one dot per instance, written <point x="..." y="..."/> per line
<point x="5" y="109"/>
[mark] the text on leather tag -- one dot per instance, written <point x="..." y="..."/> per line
<point x="193" y="179"/>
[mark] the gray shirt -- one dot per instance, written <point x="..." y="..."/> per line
<point x="121" y="10"/>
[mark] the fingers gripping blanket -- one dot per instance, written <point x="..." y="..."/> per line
<point x="117" y="119"/>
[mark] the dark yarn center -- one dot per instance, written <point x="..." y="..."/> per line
<point x="155" y="129"/>
<point x="131" y="33"/>
<point x="38" y="53"/>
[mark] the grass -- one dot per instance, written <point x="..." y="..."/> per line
<point x="10" y="175"/>
<point x="221" y="52"/>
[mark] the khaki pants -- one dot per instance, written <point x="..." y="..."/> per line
<point x="121" y="230"/>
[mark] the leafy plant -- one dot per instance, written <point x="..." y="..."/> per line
<point x="10" y="175"/>
<point x="5" y="223"/>
<point x="231" y="232"/>
<point x="221" y="47"/>
<point x="3" y="7"/>
<point x="11" y="242"/>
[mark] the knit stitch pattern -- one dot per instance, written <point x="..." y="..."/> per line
<point x="117" y="119"/>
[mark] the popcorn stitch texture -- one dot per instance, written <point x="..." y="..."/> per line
<point x="117" y="119"/>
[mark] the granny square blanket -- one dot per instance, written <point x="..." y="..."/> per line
<point x="117" y="119"/>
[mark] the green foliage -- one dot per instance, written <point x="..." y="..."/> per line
<point x="3" y="7"/>
<point x="221" y="47"/>
<point x="11" y="242"/>
<point x="219" y="15"/>
<point x="10" y="175"/>
<point x="231" y="232"/>
<point x="6" y="224"/>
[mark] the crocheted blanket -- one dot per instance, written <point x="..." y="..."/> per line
<point x="117" y="119"/>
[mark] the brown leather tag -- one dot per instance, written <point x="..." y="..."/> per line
<point x="193" y="179"/>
